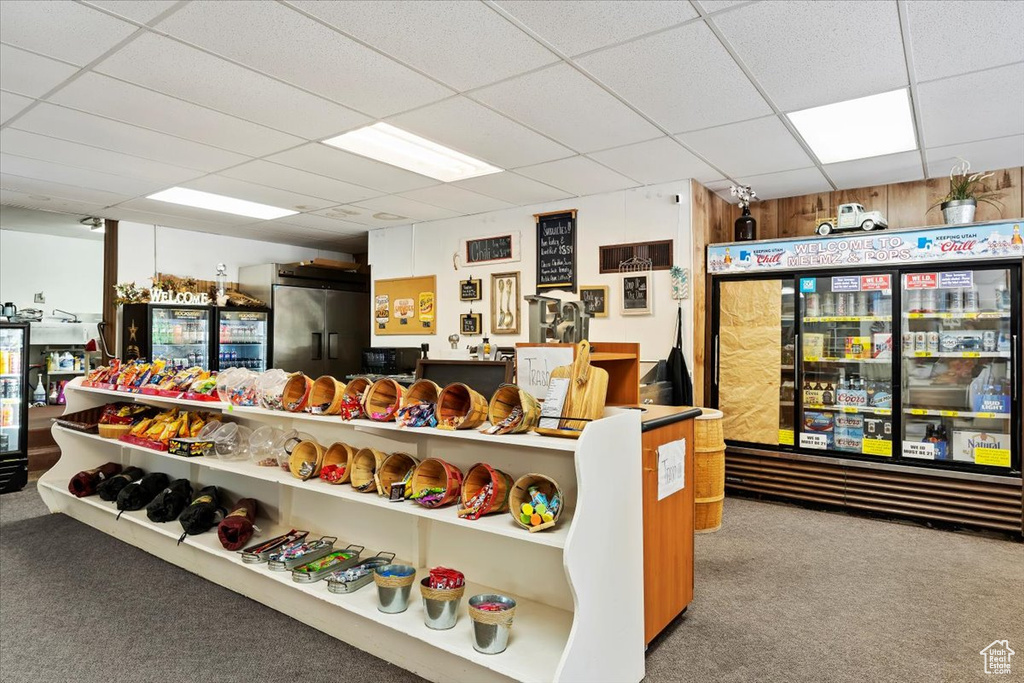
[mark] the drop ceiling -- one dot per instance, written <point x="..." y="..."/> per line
<point x="104" y="103"/>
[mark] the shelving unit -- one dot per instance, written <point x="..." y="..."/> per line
<point x="957" y="354"/>
<point x="847" y="318"/>
<point x="560" y="578"/>
<point x="955" y="413"/>
<point x="977" y="315"/>
<point x="829" y="359"/>
<point x="849" y="409"/>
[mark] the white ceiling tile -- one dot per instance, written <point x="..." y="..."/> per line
<point x="81" y="177"/>
<point x="266" y="36"/>
<point x="287" y="178"/>
<point x="29" y="74"/>
<point x="142" y="11"/>
<point x="719" y="5"/>
<point x="13" y="198"/>
<point x="126" y="212"/>
<point x="811" y="52"/>
<point x="575" y="27"/>
<point x="190" y="74"/>
<point x="240" y="189"/>
<point x="671" y="76"/>
<point x="365" y="217"/>
<point x="45" y="188"/>
<point x="891" y="168"/>
<point x="578" y="175"/>
<point x="60" y="28"/>
<point x="787" y="183"/>
<point x="656" y="161"/>
<point x="985" y="33"/>
<point x="978" y="106"/>
<point x="402" y="206"/>
<point x="67" y="124"/>
<point x="566" y="105"/>
<point x="422" y="34"/>
<point x="31" y="145"/>
<point x="448" y="196"/>
<point x="324" y="223"/>
<point x="750" y="147"/>
<point x="986" y="155"/>
<point x="473" y="129"/>
<point x="132" y="104"/>
<point x="169" y="210"/>
<point x="11" y="105"/>
<point x="352" y="168"/>
<point x="512" y="188"/>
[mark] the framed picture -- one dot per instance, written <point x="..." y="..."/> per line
<point x="595" y="298"/>
<point x="636" y="293"/>
<point x="505" y="303"/>
<point x="471" y="324"/>
<point x="470" y="290"/>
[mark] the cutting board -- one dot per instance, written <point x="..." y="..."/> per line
<point x="588" y="388"/>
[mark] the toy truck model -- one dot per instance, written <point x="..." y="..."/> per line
<point x="852" y="217"/>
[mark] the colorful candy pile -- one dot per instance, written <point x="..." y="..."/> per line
<point x="157" y="432"/>
<point x="428" y="496"/>
<point x="351" y="407"/>
<point x="509" y="423"/>
<point x="475" y="505"/>
<point x="442" y="578"/>
<point x="396" y="571"/>
<point x="492" y="606"/>
<point x="418" y="415"/>
<point x="332" y="473"/>
<point x="386" y="415"/>
<point x="137" y="375"/>
<point x="539" y="510"/>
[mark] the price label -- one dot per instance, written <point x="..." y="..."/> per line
<point x="786" y="437"/>
<point x="850" y="409"/>
<point x="989" y="415"/>
<point x="921" y="354"/>
<point x="915" y="316"/>
<point x="880" y="447"/>
<point x="971" y="354"/>
<point x="883" y="411"/>
<point x="946" y="316"/>
<point x="996" y="457"/>
<point x="918" y="411"/>
<point x="811" y="359"/>
<point x="949" y="413"/>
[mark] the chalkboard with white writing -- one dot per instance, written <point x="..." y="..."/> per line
<point x="489" y="249"/>
<point x="469" y="290"/>
<point x="636" y="292"/>
<point x="596" y="300"/>
<point x="556" y="251"/>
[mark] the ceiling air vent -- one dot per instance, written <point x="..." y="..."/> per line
<point x="660" y="254"/>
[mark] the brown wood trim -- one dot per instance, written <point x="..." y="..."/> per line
<point x="538" y="216"/>
<point x="109" y="280"/>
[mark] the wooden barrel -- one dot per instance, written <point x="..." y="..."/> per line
<point x="709" y="463"/>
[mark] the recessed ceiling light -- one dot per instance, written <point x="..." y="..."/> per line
<point x="217" y="202"/>
<point x="857" y="129"/>
<point x="403" y="149"/>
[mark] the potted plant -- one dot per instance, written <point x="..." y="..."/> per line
<point x="966" y="189"/>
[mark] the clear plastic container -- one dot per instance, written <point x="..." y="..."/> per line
<point x="231" y="441"/>
<point x="243" y="388"/>
<point x="263" y="445"/>
<point x="225" y="380"/>
<point x="269" y="387"/>
<point x="287" y="443"/>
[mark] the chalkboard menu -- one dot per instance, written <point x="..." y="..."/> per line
<point x="636" y="293"/>
<point x="596" y="300"/>
<point x="556" y="250"/>
<point x="489" y="249"/>
<point x="469" y="290"/>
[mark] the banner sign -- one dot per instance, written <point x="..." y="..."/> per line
<point x="895" y="248"/>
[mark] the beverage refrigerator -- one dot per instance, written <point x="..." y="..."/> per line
<point x="897" y="350"/>
<point x="243" y="339"/>
<point x="181" y="335"/>
<point x="14" y="392"/>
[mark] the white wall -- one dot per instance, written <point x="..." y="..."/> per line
<point x="68" y="271"/>
<point x="649" y="213"/>
<point x="144" y="250"/>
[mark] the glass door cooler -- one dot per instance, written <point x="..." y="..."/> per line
<point x="14" y="394"/>
<point x="180" y="335"/>
<point x="243" y="338"/>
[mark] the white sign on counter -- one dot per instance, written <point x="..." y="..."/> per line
<point x="671" y="468"/>
<point x="535" y="363"/>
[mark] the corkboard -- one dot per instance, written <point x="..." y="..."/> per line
<point x="406" y="305"/>
<point x="750" y="366"/>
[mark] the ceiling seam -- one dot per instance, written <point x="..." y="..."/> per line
<point x="908" y="58"/>
<point x="972" y="72"/>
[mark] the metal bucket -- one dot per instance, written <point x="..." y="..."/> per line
<point x="490" y="639"/>
<point x="394" y="599"/>
<point x="958" y="212"/>
<point x="440" y="615"/>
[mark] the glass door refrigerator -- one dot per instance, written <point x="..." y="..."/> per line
<point x="14" y="392"/>
<point x="243" y="338"/>
<point x="181" y="335"/>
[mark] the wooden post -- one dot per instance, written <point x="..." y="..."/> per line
<point x="109" y="280"/>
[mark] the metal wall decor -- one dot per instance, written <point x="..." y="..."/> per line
<point x="505" y="295"/>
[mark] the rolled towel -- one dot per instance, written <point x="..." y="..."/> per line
<point x="170" y="502"/>
<point x="85" y="483"/>
<point x="139" y="494"/>
<point x="202" y="514"/>
<point x="236" y="529"/>
<point x="109" y="489"/>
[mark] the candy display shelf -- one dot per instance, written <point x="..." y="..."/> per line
<point x="568" y="626"/>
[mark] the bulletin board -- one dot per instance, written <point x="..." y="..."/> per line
<point x="405" y="305"/>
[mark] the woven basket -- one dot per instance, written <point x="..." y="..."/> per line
<point x="520" y="494"/>
<point x="459" y="407"/>
<point x="394" y="470"/>
<point x="421" y="391"/>
<point x="709" y="471"/>
<point x="383" y="399"/>
<point x="113" y="431"/>
<point x="507" y="398"/>
<point x="295" y="396"/>
<point x="436" y="473"/>
<point x="325" y="396"/>
<point x="365" y="464"/>
<point x="306" y="452"/>
<point x="338" y="454"/>
<point x="477" y="477"/>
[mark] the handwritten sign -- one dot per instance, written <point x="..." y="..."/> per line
<point x="556" y="251"/>
<point x="470" y="324"/>
<point x="671" y="468"/>
<point x="596" y="300"/>
<point x="470" y="290"/>
<point x="481" y="251"/>
<point x="535" y="363"/>
<point x="636" y="293"/>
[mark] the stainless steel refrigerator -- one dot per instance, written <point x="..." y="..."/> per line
<point x="321" y="316"/>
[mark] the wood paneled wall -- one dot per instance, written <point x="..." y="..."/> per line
<point x="905" y="205"/>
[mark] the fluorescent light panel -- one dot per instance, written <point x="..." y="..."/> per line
<point x="857" y="129"/>
<point x="218" y="202"/>
<point x="401" y="148"/>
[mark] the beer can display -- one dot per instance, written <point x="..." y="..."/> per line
<point x="933" y="342"/>
<point x="812" y="305"/>
<point x="920" y="341"/>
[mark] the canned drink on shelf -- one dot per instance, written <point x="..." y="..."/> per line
<point x="861" y="299"/>
<point x="928" y="299"/>
<point x="812" y="305"/>
<point x="971" y="300"/>
<point x="920" y="341"/>
<point x="933" y="342"/>
<point x="914" y="300"/>
<point x="842" y="302"/>
<point x="954" y="301"/>
<point x="908" y="342"/>
<point x="988" y="340"/>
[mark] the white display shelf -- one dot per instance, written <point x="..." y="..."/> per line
<point x="536" y="627"/>
<point x="957" y="354"/>
<point x="569" y="626"/>
<point x="956" y="413"/>
<point x="65" y="372"/>
<point x="868" y="410"/>
<point x="501" y="524"/>
<point x="946" y="315"/>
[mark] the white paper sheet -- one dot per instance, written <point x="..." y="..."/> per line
<point x="554" y="400"/>
<point x="671" y="468"/>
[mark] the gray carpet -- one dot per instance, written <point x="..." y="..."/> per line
<point x="783" y="594"/>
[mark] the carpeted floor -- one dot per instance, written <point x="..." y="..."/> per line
<point x="783" y="594"/>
